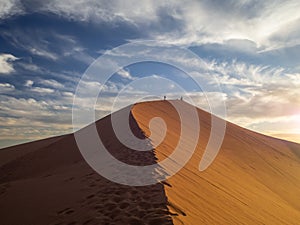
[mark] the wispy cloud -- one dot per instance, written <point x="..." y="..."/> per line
<point x="92" y="10"/>
<point x="10" y="8"/>
<point x="270" y="24"/>
<point x="52" y="83"/>
<point x="262" y="98"/>
<point x="33" y="43"/>
<point x="47" y="44"/>
<point x="254" y="28"/>
<point x="6" y="87"/>
<point x="42" y="90"/>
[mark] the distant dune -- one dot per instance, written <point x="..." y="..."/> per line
<point x="255" y="179"/>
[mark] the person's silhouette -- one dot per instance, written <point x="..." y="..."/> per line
<point x="165" y="97"/>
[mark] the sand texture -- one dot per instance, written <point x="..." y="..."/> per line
<point x="255" y="179"/>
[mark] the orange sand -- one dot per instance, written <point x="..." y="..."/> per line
<point x="255" y="179"/>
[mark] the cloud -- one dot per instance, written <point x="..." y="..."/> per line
<point x="65" y="76"/>
<point x="50" y="86"/>
<point x="250" y="90"/>
<point x="125" y="74"/>
<point x="219" y="21"/>
<point x="19" y="120"/>
<point x="92" y="10"/>
<point x="6" y="66"/>
<point x="67" y="94"/>
<point x="30" y="67"/>
<point x="39" y="51"/>
<point x="9" y="8"/>
<point x="47" y="44"/>
<point x="51" y="83"/>
<point x="25" y="107"/>
<point x="107" y="89"/>
<point x="28" y="83"/>
<point x="269" y="24"/>
<point x="6" y="87"/>
<point x="35" y="43"/>
<point x="79" y="53"/>
<point x="42" y="90"/>
<point x="256" y="95"/>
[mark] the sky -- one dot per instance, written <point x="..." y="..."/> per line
<point x="251" y="47"/>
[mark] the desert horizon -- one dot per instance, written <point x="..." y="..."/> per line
<point x="291" y="137"/>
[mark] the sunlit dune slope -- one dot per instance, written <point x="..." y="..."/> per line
<point x="255" y="179"/>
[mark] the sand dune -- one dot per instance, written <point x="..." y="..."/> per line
<point x="255" y="179"/>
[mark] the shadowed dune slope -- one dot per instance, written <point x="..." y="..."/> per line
<point x="48" y="182"/>
<point x="255" y="179"/>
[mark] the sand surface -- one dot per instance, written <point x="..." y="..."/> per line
<point x="50" y="183"/>
<point x="255" y="179"/>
